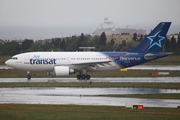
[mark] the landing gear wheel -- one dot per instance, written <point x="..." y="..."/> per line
<point x="79" y="77"/>
<point x="83" y="76"/>
<point x="28" y="77"/>
<point x="88" y="77"/>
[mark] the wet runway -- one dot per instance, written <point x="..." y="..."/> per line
<point x="117" y="79"/>
<point x="5" y="67"/>
<point x="82" y="96"/>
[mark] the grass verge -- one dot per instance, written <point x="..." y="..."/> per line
<point x="149" y="96"/>
<point x="94" y="85"/>
<point x="74" y="112"/>
<point x="12" y="73"/>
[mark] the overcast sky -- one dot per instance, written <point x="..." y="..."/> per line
<point x="41" y="19"/>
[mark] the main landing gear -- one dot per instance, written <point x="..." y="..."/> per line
<point x="82" y="76"/>
<point x="29" y="76"/>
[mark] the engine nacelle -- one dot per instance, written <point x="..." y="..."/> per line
<point x="61" y="71"/>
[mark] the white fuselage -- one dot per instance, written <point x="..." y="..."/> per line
<point x="46" y="61"/>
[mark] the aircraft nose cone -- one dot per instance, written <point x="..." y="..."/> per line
<point x="7" y="62"/>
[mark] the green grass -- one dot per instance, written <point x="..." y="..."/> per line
<point x="3" y="59"/>
<point x="94" y="85"/>
<point x="150" y="96"/>
<point x="74" y="112"/>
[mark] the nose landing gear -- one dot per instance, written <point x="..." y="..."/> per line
<point x="29" y="76"/>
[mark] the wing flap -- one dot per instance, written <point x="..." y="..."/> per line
<point x="92" y="65"/>
<point x="94" y="62"/>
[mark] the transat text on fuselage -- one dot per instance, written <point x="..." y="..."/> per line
<point x="42" y="61"/>
<point x="37" y="60"/>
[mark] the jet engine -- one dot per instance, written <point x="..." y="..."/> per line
<point x="61" y="71"/>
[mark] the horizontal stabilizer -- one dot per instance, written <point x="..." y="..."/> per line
<point x="150" y="56"/>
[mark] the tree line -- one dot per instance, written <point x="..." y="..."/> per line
<point x="73" y="44"/>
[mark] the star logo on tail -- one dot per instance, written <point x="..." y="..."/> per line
<point x="155" y="40"/>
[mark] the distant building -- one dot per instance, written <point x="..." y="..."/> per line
<point x="175" y="36"/>
<point x="109" y="28"/>
<point x="6" y="41"/>
<point x="2" y="41"/>
<point x="41" y="41"/>
<point x="20" y="41"/>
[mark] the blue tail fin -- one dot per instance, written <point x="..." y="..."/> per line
<point x="154" y="41"/>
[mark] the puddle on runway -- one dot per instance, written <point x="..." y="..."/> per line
<point x="72" y="96"/>
<point x="83" y="91"/>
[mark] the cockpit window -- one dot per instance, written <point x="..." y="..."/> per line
<point x="14" y="58"/>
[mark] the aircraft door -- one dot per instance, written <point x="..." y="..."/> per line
<point x="69" y="60"/>
<point x="27" y="59"/>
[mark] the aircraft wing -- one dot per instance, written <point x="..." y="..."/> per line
<point x="91" y="65"/>
<point x="95" y="62"/>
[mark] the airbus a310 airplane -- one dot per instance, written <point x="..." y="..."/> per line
<point x="65" y="63"/>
